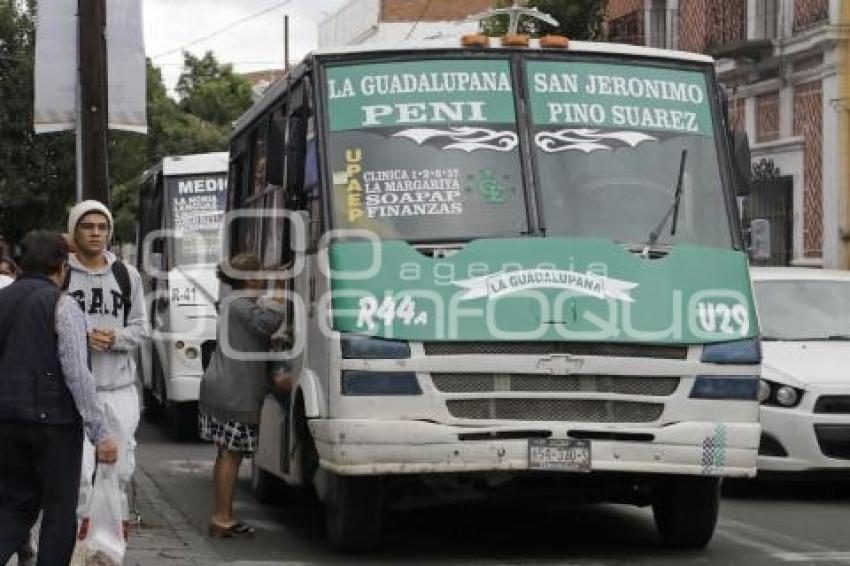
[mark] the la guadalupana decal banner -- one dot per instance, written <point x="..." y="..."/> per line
<point x="590" y="106"/>
<point x="444" y="91"/>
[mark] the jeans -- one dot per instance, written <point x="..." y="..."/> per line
<point x="39" y="471"/>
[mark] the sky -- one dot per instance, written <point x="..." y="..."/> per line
<point x="256" y="44"/>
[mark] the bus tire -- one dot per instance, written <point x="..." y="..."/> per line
<point x="152" y="409"/>
<point x="685" y="510"/>
<point x="263" y="484"/>
<point x="181" y="420"/>
<point x="353" y="509"/>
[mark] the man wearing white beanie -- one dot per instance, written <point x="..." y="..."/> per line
<point x="111" y="295"/>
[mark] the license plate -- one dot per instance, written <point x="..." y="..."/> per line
<point x="559" y="454"/>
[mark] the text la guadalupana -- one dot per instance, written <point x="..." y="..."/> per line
<point x="455" y="87"/>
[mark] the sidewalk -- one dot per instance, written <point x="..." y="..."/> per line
<point x="164" y="537"/>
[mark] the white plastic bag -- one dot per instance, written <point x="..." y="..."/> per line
<point x="105" y="539"/>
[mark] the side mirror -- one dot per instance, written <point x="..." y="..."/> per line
<point x="156" y="261"/>
<point x="760" y="248"/>
<point x="313" y="233"/>
<point x="742" y="162"/>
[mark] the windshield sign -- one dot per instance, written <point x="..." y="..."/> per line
<point x="425" y="150"/>
<point x="196" y="208"/>
<point x="609" y="143"/>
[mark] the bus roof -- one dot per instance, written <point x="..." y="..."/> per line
<point x="195" y="164"/>
<point x="279" y="87"/>
<point x="575" y="46"/>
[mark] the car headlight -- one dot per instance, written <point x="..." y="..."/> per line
<point x="779" y="395"/>
<point x="764" y="391"/>
<point x="787" y="396"/>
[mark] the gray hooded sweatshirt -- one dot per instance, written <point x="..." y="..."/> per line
<point x="99" y="295"/>
<point x="233" y="389"/>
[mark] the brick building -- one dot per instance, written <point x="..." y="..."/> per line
<point x="779" y="60"/>
<point x="361" y="21"/>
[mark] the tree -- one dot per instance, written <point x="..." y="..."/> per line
<point x="577" y="19"/>
<point x="212" y="96"/>
<point x="37" y="173"/>
<point x="37" y="176"/>
<point x="212" y="91"/>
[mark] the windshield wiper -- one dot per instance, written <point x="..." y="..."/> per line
<point x="674" y="208"/>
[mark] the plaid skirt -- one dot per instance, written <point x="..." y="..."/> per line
<point x="232" y="435"/>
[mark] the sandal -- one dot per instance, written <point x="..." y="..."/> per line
<point x="235" y="530"/>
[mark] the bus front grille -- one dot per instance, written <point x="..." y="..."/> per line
<point x="544" y="348"/>
<point x="492" y="382"/>
<point x="567" y="410"/>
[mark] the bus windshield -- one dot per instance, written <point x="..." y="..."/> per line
<point x="425" y="150"/>
<point x="609" y="141"/>
<point x="194" y="209"/>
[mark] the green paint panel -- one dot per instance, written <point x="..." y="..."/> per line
<point x="543" y="289"/>
<point x="619" y="96"/>
<point x="439" y="91"/>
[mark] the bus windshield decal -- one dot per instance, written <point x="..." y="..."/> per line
<point x="197" y="205"/>
<point x="425" y="150"/>
<point x="608" y="139"/>
<point x="601" y="105"/>
<point x="421" y="92"/>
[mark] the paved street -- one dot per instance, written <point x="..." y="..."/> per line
<point x="777" y="523"/>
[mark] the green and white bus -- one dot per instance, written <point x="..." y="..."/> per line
<point x="508" y="264"/>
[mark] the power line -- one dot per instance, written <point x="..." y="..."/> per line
<point x="222" y="30"/>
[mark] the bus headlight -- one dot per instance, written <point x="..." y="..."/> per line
<point x="738" y="352"/>
<point x="355" y="346"/>
<point x="380" y="383"/>
<point x="191" y="353"/>
<point x="737" y="388"/>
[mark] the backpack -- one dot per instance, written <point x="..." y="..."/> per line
<point x="122" y="276"/>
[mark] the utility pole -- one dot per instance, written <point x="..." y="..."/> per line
<point x="93" y="111"/>
<point x="286" y="42"/>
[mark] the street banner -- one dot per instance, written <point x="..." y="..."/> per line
<point x="56" y="50"/>
<point x="56" y="55"/>
<point x="125" y="46"/>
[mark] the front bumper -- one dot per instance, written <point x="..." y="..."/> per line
<point x="371" y="447"/>
<point x="796" y="430"/>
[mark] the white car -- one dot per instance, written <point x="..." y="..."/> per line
<point x="805" y="389"/>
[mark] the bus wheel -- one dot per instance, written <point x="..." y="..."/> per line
<point x="263" y="483"/>
<point x="181" y="420"/>
<point x="353" y="508"/>
<point x="685" y="510"/>
<point x="152" y="409"/>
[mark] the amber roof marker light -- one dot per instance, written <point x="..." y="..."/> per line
<point x="475" y="40"/>
<point x="554" y="42"/>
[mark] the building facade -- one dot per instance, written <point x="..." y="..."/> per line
<point x="780" y="61"/>
<point x="361" y="21"/>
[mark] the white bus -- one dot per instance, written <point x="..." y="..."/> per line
<point x="182" y="204"/>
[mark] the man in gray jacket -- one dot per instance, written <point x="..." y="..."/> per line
<point x="110" y="294"/>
